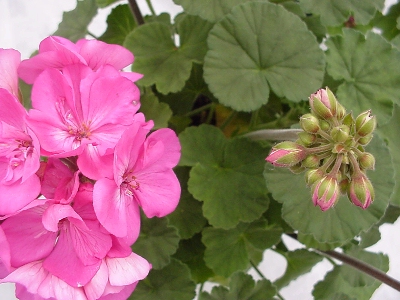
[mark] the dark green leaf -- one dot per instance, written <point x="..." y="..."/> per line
<point x="188" y="216"/>
<point x="370" y="237"/>
<point x="160" y="60"/>
<point x="336" y="12"/>
<point x="170" y="283"/>
<point x="342" y="222"/>
<point x="299" y="262"/>
<point x="369" y="83"/>
<point x="154" y="110"/>
<point x="242" y="287"/>
<point x="387" y="23"/>
<point x="105" y="3"/>
<point x="157" y="241"/>
<point x="120" y="23"/>
<point x="75" y="22"/>
<point x="258" y="47"/>
<point x="225" y="176"/>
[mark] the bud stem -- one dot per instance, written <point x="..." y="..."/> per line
<point x="274" y="134"/>
<point x="354" y="163"/>
<point x="319" y="149"/>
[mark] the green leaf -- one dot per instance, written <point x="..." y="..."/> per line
<point x="389" y="132"/>
<point x="370" y="237"/>
<point x="342" y="222"/>
<point x="226" y="175"/>
<point x="157" y="241"/>
<point x="369" y="83"/>
<point x="188" y="216"/>
<point x="299" y="262"/>
<point x="191" y="252"/>
<point x="227" y="250"/>
<point x="350" y="282"/>
<point x="211" y="10"/>
<point x="160" y="60"/>
<point x="195" y="87"/>
<point x="258" y="47"/>
<point x="170" y="283"/>
<point x="387" y="23"/>
<point x="154" y="110"/>
<point x="242" y="287"/>
<point x="336" y="12"/>
<point x="75" y="22"/>
<point x="310" y="242"/>
<point x="120" y="23"/>
<point x="105" y="3"/>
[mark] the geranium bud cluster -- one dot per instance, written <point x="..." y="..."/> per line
<point x="75" y="171"/>
<point x="331" y="151"/>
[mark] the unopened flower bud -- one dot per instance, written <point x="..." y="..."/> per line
<point x="367" y="161"/>
<point x="360" y="191"/>
<point x="286" y="154"/>
<point x="325" y="192"/>
<point x="324" y="125"/>
<point x="314" y="175"/>
<point x="311" y="161"/>
<point x="344" y="185"/>
<point x="297" y="168"/>
<point x="365" y="123"/>
<point x="365" y="139"/>
<point x="340" y="111"/>
<point x="309" y="123"/>
<point x="307" y="138"/>
<point x="323" y="103"/>
<point x="340" y="133"/>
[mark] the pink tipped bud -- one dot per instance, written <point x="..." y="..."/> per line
<point x="314" y="175"/>
<point x="323" y="103"/>
<point x="365" y="123"/>
<point x="309" y="123"/>
<point x="360" y="191"/>
<point x="325" y="192"/>
<point x="286" y="154"/>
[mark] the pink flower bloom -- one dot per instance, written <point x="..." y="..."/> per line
<point x="81" y="112"/>
<point x="57" y="52"/>
<point x="5" y="265"/>
<point x="143" y="176"/>
<point x="19" y="156"/>
<point x="9" y="62"/>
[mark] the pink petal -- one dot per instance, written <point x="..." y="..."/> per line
<point x="39" y="281"/>
<point x="127" y="270"/>
<point x="5" y="264"/>
<point x="90" y="160"/>
<point x="11" y="110"/>
<point x="159" y="193"/>
<point x="97" y="54"/>
<point x="64" y="263"/>
<point x="55" y="213"/>
<point x="115" y="210"/>
<point x="54" y="176"/>
<point x="95" y="287"/>
<point x="132" y="76"/>
<point x="17" y="195"/>
<point x="9" y="61"/>
<point x="28" y="239"/>
<point x="122" y="294"/>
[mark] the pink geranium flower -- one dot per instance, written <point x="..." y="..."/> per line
<point x="82" y="112"/>
<point x="143" y="176"/>
<point x="57" y="52"/>
<point x="9" y="62"/>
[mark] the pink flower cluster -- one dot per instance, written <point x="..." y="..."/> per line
<point x="75" y="170"/>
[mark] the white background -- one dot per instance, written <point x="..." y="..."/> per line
<point x="24" y="23"/>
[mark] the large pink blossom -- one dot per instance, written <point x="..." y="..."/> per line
<point x="9" y="62"/>
<point x="57" y="52"/>
<point x="82" y="112"/>
<point x="143" y="176"/>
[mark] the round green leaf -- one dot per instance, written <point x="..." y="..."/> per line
<point x="160" y="60"/>
<point x="369" y="83"/>
<point x="157" y="241"/>
<point x="155" y="110"/>
<point x="258" y="47"/>
<point x="170" y="283"/>
<point x="336" y="12"/>
<point x="342" y="222"/>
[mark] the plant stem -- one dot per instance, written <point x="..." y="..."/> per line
<point x="153" y="12"/>
<point x="257" y="270"/>
<point x="274" y="134"/>
<point x="198" y="110"/>
<point x="228" y="120"/>
<point x="359" y="265"/>
<point x="137" y="15"/>
<point x="92" y="35"/>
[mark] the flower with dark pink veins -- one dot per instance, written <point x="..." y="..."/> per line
<point x="82" y="112"/>
<point x="143" y="176"/>
<point x="57" y="52"/>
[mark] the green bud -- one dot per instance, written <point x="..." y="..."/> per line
<point x="365" y="123"/>
<point x="311" y="161"/>
<point x="314" y="175"/>
<point x="367" y="161"/>
<point x="297" y="168"/>
<point x="340" y="111"/>
<point x="325" y="126"/>
<point x="365" y="139"/>
<point x="344" y="185"/>
<point x="309" y="123"/>
<point x="340" y="133"/>
<point x="307" y="138"/>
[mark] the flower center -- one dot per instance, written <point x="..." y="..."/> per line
<point x="130" y="184"/>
